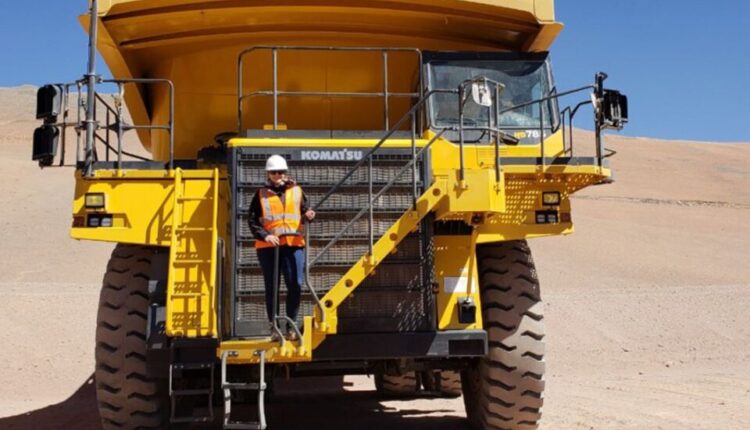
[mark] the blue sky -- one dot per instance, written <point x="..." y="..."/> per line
<point x="685" y="64"/>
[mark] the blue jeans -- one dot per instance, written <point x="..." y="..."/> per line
<point x="292" y="267"/>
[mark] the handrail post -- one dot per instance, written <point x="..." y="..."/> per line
<point x="79" y="109"/>
<point x="414" y="158"/>
<point x="121" y="94"/>
<point x="461" y="95"/>
<point x="63" y="139"/>
<point x="106" y="136"/>
<point x="495" y="127"/>
<point x="171" y="124"/>
<point x="371" y="218"/>
<point x="276" y="290"/>
<point x="307" y="275"/>
<point x="566" y="123"/>
<point x="599" y="95"/>
<point x="275" y="56"/>
<point x="541" y="134"/>
<point x="240" y="92"/>
<point x="91" y="91"/>
<point x="570" y="133"/>
<point x="386" y="112"/>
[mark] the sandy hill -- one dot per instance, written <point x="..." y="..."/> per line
<point x="646" y="303"/>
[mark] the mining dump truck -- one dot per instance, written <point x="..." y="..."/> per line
<point x="428" y="136"/>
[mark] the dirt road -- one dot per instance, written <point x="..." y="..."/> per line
<point x="647" y="303"/>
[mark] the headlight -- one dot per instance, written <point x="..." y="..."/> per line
<point x="551" y="198"/>
<point x="94" y="200"/>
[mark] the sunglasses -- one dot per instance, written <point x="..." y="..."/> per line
<point x="277" y="172"/>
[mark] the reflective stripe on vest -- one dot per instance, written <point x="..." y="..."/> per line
<point x="281" y="216"/>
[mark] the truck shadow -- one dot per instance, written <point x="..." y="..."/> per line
<point x="310" y="404"/>
<point x="79" y="412"/>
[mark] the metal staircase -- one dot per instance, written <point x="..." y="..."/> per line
<point x="370" y="217"/>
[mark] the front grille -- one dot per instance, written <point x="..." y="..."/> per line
<point x="253" y="308"/>
<point x="312" y="175"/>
<point x="405" y="276"/>
<point x="345" y="200"/>
<point x="394" y="298"/>
<point x="345" y="252"/>
<point x="328" y="225"/>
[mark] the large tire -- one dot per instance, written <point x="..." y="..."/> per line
<point x="128" y="398"/>
<point x="397" y="385"/>
<point x="505" y="389"/>
<point x="446" y="383"/>
<point x="450" y="383"/>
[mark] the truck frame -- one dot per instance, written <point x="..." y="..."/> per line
<point x="429" y="138"/>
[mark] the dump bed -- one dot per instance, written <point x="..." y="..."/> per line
<point x="195" y="44"/>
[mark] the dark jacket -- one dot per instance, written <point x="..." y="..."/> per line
<point x="256" y="226"/>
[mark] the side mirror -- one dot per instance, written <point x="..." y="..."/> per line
<point x="49" y="102"/>
<point x="45" y="145"/>
<point x="481" y="93"/>
<point x="614" y="110"/>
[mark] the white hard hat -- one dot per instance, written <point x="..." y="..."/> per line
<point x="276" y="162"/>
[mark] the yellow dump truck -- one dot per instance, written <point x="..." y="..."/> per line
<point x="427" y="135"/>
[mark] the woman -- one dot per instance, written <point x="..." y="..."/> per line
<point x="276" y="222"/>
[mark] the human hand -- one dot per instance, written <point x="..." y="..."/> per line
<point x="310" y="214"/>
<point x="273" y="240"/>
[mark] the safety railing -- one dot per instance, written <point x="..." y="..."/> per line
<point x="608" y="114"/>
<point x="87" y="153"/>
<point x="484" y="92"/>
<point x="481" y="90"/>
<point x="386" y="94"/>
<point x="87" y="127"/>
<point x="416" y="154"/>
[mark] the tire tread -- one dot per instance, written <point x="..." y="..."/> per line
<point x="127" y="397"/>
<point x="504" y="391"/>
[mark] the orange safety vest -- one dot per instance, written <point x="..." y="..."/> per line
<point x="281" y="217"/>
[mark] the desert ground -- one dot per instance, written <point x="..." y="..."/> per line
<point x="647" y="303"/>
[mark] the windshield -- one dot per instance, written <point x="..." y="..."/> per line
<point x="524" y="81"/>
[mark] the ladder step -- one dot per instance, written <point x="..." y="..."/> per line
<point x="179" y="261"/>
<point x="192" y="199"/>
<point x="237" y="425"/>
<point x="187" y="420"/>
<point x="193" y="229"/>
<point x="193" y="392"/>
<point x="244" y="386"/>
<point x="192" y="366"/>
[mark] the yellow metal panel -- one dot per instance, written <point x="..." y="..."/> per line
<point x="456" y="271"/>
<point x="288" y="352"/>
<point x="146" y="223"/>
<point x="446" y="154"/>
<point x="542" y="41"/>
<point x="195" y="43"/>
<point x="478" y="192"/>
<point x="524" y="188"/>
<point x="185" y="211"/>
<point x="191" y="288"/>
